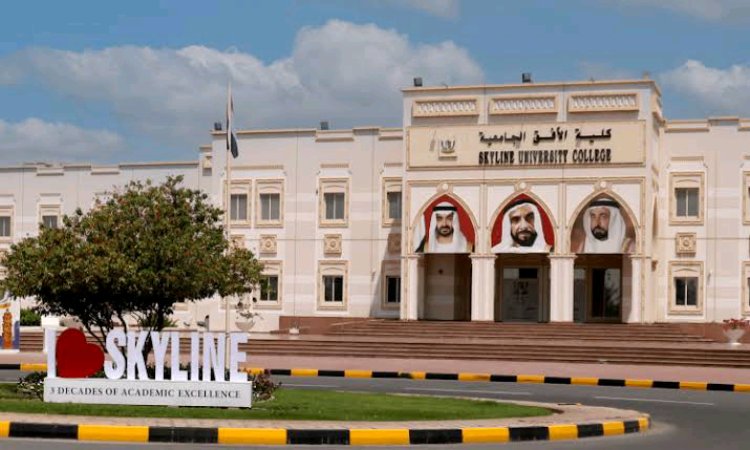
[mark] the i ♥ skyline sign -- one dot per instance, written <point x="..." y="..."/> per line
<point x="71" y="361"/>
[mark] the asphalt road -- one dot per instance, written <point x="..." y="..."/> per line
<point x="680" y="419"/>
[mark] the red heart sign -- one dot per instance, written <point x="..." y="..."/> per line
<point x="75" y="357"/>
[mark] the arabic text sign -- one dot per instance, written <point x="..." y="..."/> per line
<point x="535" y="145"/>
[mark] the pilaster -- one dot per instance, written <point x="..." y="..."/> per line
<point x="561" y="288"/>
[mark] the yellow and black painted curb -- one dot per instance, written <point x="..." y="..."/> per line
<point x="468" y="376"/>
<point x="494" y="378"/>
<point x="343" y="436"/>
<point x="25" y="367"/>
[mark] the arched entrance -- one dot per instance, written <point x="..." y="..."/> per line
<point x="522" y="236"/>
<point x="445" y="235"/>
<point x="602" y="235"/>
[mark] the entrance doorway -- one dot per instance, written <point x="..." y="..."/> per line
<point x="597" y="288"/>
<point x="447" y="287"/>
<point x="522" y="288"/>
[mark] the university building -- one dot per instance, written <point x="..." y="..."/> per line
<point x="532" y="202"/>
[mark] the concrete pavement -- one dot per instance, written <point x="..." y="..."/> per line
<point x="618" y="371"/>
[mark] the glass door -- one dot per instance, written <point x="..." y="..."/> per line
<point x="520" y="301"/>
<point x="606" y="294"/>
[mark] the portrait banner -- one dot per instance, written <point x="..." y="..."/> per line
<point x="522" y="227"/>
<point x="603" y="227"/>
<point x="444" y="227"/>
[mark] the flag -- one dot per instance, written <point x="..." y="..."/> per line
<point x="231" y="138"/>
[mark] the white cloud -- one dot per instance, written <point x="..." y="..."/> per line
<point x="726" y="90"/>
<point x="713" y="10"/>
<point x="37" y="140"/>
<point x="343" y="72"/>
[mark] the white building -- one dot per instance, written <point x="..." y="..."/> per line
<point x="531" y="202"/>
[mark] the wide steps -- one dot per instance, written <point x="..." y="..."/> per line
<point x="520" y="335"/>
<point x="454" y="330"/>
<point x="571" y="343"/>
<point x="520" y="352"/>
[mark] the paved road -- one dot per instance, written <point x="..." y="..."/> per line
<point x="681" y="419"/>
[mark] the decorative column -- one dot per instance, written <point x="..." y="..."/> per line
<point x="482" y="287"/>
<point x="561" y="288"/>
<point x="633" y="310"/>
<point x="411" y="289"/>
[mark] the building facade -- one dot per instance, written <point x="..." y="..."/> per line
<point x="560" y="202"/>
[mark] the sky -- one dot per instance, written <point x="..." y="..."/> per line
<point x="105" y="82"/>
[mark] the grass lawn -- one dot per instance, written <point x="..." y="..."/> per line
<point x="295" y="405"/>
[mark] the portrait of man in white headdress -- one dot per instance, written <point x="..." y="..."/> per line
<point x="604" y="229"/>
<point x="522" y="230"/>
<point x="442" y="234"/>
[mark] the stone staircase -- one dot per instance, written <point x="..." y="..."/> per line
<point x="660" y="344"/>
<point x="666" y="333"/>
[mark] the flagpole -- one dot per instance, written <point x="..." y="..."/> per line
<point x="228" y="171"/>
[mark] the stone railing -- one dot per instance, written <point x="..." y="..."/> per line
<point x="445" y="107"/>
<point x="603" y="102"/>
<point x="524" y="105"/>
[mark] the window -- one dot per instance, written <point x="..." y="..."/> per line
<point x="269" y="205"/>
<point x="3" y="270"/>
<point x="269" y="288"/>
<point x="394" y="206"/>
<point x="269" y="208"/>
<point x="333" y="198"/>
<point x="391" y="203"/>
<point x="687" y="202"/>
<point x="745" y="298"/>
<point x="687" y="198"/>
<point x="49" y="213"/>
<point x="239" y="202"/>
<point x="334" y="205"/>
<point x="49" y="221"/>
<point x="238" y="207"/>
<point x="269" y="292"/>
<point x="392" y="289"/>
<point x="686" y="287"/>
<point x="333" y="288"/>
<point x="5" y="226"/>
<point x="686" y="291"/>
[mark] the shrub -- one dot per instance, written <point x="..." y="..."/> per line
<point x="32" y="385"/>
<point x="736" y="324"/>
<point x="30" y="318"/>
<point x="263" y="386"/>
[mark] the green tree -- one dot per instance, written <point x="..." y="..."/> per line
<point x="140" y="252"/>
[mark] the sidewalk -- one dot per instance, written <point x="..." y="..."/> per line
<point x="664" y="373"/>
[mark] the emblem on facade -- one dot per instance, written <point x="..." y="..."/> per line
<point x="394" y="243"/>
<point x="238" y="241"/>
<point x="686" y="243"/>
<point x="268" y="244"/>
<point x="446" y="147"/>
<point x="332" y="244"/>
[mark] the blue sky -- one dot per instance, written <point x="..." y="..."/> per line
<point x="143" y="80"/>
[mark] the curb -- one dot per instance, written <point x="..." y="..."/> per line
<point x="346" y="436"/>
<point x="486" y="377"/>
<point x="469" y="376"/>
<point x="25" y="367"/>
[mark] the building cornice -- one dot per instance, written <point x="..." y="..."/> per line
<point x="532" y="86"/>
